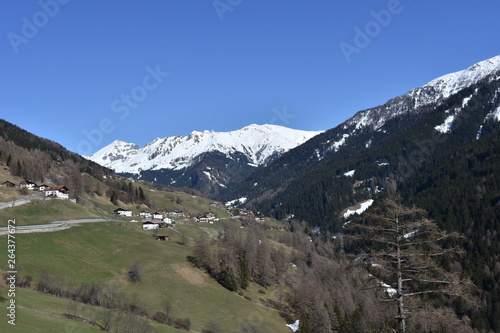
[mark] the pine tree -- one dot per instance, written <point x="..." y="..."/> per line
<point x="244" y="271"/>
<point x="114" y="198"/>
<point x="304" y="325"/>
<point x="142" y="196"/>
<point x="227" y="279"/>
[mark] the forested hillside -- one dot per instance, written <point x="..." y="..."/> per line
<point x="462" y="191"/>
<point x="449" y="169"/>
<point x="30" y="157"/>
<point x="315" y="188"/>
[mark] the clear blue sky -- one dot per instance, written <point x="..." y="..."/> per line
<point x="67" y="67"/>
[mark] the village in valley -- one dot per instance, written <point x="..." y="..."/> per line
<point x="150" y="219"/>
<point x="162" y="218"/>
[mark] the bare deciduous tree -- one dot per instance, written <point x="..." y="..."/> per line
<point x="407" y="249"/>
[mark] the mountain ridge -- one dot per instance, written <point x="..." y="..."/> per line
<point x="432" y="92"/>
<point x="420" y="123"/>
<point x="207" y="161"/>
<point x="177" y="152"/>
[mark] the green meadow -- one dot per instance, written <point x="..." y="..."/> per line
<point x="104" y="253"/>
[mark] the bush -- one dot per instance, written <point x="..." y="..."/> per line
<point x="161" y="317"/>
<point x="135" y="273"/>
<point x="184" y="324"/>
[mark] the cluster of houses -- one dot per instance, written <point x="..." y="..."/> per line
<point x="247" y="213"/>
<point x="241" y="212"/>
<point x="209" y="217"/>
<point x="59" y="192"/>
<point x="158" y="219"/>
<point x="160" y="214"/>
<point x="162" y="218"/>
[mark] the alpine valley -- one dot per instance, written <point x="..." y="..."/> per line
<point x="207" y="161"/>
<point x="398" y="145"/>
<point x="437" y="145"/>
<point x="277" y="168"/>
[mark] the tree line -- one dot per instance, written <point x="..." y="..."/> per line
<point x="316" y="281"/>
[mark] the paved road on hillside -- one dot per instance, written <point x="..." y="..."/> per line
<point x="27" y="199"/>
<point x="50" y="227"/>
<point x="22" y="201"/>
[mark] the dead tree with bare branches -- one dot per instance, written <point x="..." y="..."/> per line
<point x="407" y="250"/>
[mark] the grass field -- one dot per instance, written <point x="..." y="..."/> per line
<point x="8" y="194"/>
<point x="38" y="212"/>
<point x="184" y="201"/>
<point x="37" y="312"/>
<point x="105" y="251"/>
<point x="169" y="200"/>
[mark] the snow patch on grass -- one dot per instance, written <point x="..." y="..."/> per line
<point x="294" y="326"/>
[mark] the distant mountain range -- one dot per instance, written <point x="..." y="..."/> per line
<point x="206" y="160"/>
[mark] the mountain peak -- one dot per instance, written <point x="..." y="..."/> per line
<point x="258" y="143"/>
<point x="432" y="92"/>
<point x="120" y="143"/>
<point x="451" y="83"/>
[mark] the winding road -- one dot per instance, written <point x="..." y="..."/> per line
<point x="50" y="227"/>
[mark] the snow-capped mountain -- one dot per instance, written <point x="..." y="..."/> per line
<point x="416" y="99"/>
<point x="432" y="92"/>
<point x="258" y="143"/>
<point x="379" y="148"/>
<point x="449" y="84"/>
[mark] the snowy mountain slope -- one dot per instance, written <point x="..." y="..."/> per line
<point x="449" y="84"/>
<point x="258" y="143"/>
<point x="416" y="99"/>
<point x="384" y="145"/>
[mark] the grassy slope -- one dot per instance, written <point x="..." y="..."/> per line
<point x="105" y="251"/>
<point x="38" y="212"/>
<point x="33" y="321"/>
<point x="8" y="194"/>
<point x="29" y="321"/>
<point x="169" y="200"/>
<point x="184" y="201"/>
<point x="90" y="206"/>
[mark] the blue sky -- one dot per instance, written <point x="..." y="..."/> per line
<point x="84" y="73"/>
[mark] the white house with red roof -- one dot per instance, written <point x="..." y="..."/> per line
<point x="59" y="192"/>
<point x="158" y="215"/>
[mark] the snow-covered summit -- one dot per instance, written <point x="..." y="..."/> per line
<point x="432" y="92"/>
<point x="451" y="83"/>
<point x="258" y="143"/>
